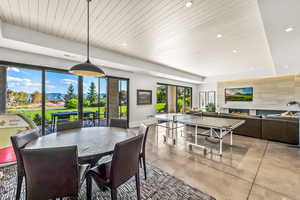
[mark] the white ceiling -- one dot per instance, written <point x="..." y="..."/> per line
<point x="161" y="31"/>
<point x="285" y="46"/>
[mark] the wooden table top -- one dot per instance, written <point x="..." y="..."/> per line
<point x="92" y="143"/>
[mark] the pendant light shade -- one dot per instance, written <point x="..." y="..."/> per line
<point x="87" y="68"/>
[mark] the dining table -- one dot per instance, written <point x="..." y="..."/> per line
<point x="92" y="143"/>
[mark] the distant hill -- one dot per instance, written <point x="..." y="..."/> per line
<point x="55" y="96"/>
<point x="58" y="96"/>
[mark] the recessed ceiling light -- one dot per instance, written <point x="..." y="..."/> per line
<point x="188" y="4"/>
<point x="219" y="35"/>
<point x="124" y="44"/>
<point x="234" y="51"/>
<point x="289" y="29"/>
<point x="286" y="66"/>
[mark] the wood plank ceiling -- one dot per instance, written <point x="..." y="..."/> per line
<point x="161" y="31"/>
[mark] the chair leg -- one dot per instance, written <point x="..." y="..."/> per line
<point x="88" y="188"/>
<point x="19" y="187"/>
<point x="140" y="160"/>
<point x="145" y="168"/>
<point x="137" y="182"/>
<point x="114" y="193"/>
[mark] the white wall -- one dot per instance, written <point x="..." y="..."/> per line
<point x="138" y="113"/>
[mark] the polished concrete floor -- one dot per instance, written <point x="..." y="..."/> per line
<point x="250" y="169"/>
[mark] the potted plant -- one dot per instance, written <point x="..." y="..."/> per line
<point x="211" y="107"/>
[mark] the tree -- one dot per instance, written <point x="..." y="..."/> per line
<point x="37" y="119"/>
<point x="92" y="94"/>
<point x="70" y="94"/>
<point x="71" y="104"/>
<point x="86" y="103"/>
<point x="36" y="97"/>
<point x="161" y="95"/>
<point x="10" y="97"/>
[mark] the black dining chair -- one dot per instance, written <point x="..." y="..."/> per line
<point x="19" y="141"/>
<point x="53" y="173"/>
<point x="143" y="130"/>
<point x="61" y="126"/>
<point x="118" y="123"/>
<point x="124" y="165"/>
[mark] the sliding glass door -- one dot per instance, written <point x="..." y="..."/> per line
<point x="118" y="102"/>
<point x="61" y="99"/>
<point x="180" y="99"/>
<point x="188" y="98"/>
<point x="162" y="98"/>
<point x="183" y="99"/>
<point x="94" y="101"/>
<point x="49" y="96"/>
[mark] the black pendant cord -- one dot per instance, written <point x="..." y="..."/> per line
<point x="88" y="31"/>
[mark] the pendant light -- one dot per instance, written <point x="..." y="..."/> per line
<point x="87" y="68"/>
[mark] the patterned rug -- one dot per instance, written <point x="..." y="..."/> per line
<point x="159" y="185"/>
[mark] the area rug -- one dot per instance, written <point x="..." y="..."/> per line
<point x="159" y="185"/>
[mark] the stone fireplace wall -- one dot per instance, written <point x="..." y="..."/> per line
<point x="271" y="93"/>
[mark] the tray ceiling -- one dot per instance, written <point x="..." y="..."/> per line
<point x="210" y="38"/>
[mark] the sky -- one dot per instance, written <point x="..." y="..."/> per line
<point x="20" y="79"/>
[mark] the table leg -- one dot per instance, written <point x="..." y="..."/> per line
<point x="51" y="122"/>
<point x="221" y="142"/>
<point x="55" y="123"/>
<point x="174" y="125"/>
<point x="53" y="127"/>
<point x="231" y="137"/>
<point x="196" y="133"/>
<point x="156" y="130"/>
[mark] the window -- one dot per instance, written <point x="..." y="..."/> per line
<point x="29" y="86"/>
<point x="162" y="98"/>
<point x="24" y="92"/>
<point x="61" y="98"/>
<point x="188" y="98"/>
<point x="94" y="101"/>
<point x="180" y="99"/>
<point x="184" y="99"/>
<point x="123" y="99"/>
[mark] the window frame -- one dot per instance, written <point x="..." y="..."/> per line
<point x="158" y="83"/>
<point x="45" y="69"/>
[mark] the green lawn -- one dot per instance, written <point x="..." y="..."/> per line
<point x="32" y="113"/>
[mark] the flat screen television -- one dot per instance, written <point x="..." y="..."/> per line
<point x="239" y="94"/>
